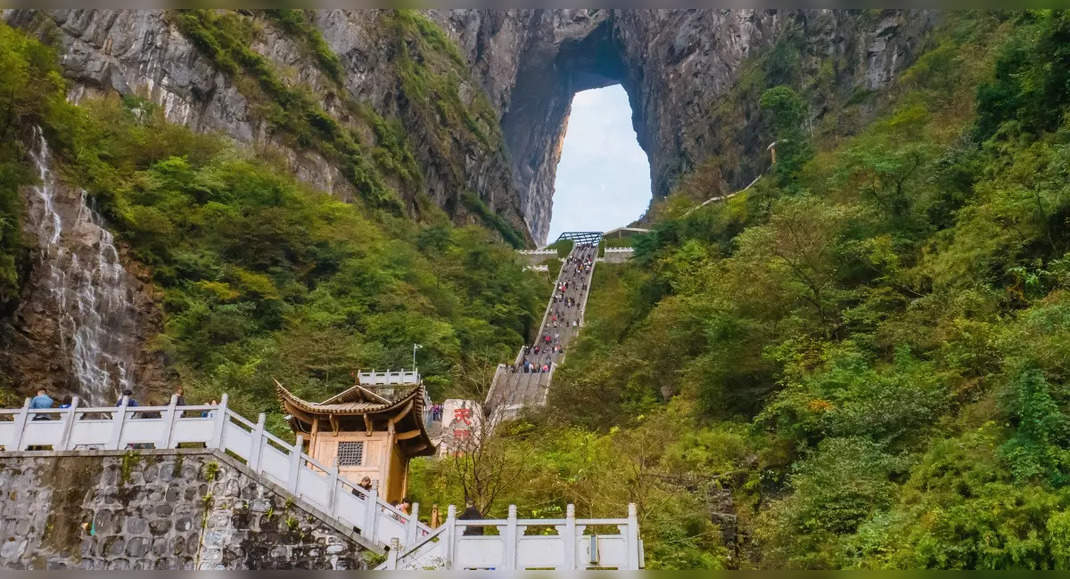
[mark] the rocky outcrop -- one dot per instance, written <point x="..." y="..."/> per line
<point x="144" y="53"/>
<point x="88" y="313"/>
<point x="677" y="66"/>
<point x="141" y="53"/>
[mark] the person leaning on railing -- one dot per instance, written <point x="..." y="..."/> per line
<point x="471" y="513"/>
<point x="41" y="402"/>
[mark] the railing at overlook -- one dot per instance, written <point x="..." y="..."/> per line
<point x="413" y="544"/>
<point x="570" y="548"/>
<point x="216" y="427"/>
<point x="374" y="378"/>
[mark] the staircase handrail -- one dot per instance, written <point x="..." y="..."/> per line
<point x="450" y="547"/>
<point x="218" y="428"/>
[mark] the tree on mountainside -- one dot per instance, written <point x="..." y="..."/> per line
<point x="802" y="248"/>
<point x="788" y="130"/>
<point x="483" y="464"/>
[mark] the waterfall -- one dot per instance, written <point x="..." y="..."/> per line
<point x="86" y="283"/>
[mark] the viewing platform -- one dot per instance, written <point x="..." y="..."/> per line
<point x="350" y="512"/>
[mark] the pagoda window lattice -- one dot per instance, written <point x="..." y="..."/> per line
<point x="350" y="453"/>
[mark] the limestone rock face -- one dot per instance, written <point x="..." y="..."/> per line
<point x="681" y="69"/>
<point x="141" y="53"/>
<point x="88" y="312"/>
<point x="677" y="66"/>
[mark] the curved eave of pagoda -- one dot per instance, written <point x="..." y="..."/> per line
<point x="406" y="413"/>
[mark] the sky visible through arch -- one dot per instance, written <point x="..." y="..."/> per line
<point x="603" y="179"/>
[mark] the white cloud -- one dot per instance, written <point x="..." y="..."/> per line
<point x="603" y="179"/>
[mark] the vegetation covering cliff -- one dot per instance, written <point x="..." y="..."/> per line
<point x="859" y="362"/>
<point x="261" y="276"/>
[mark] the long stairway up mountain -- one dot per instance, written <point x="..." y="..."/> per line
<point x="527" y="381"/>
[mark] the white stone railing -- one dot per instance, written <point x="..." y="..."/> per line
<point x="374" y="378"/>
<point x="511" y="549"/>
<point x="413" y="544"/>
<point x="537" y="251"/>
<point x="620" y="250"/>
<point x="215" y="427"/>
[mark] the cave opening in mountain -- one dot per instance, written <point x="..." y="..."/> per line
<point x="603" y="176"/>
<point x="601" y="159"/>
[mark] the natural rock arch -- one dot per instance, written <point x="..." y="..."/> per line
<point x="535" y="124"/>
<point x="677" y="66"/>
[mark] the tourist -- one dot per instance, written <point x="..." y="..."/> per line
<point x="404" y="506"/>
<point x="471" y="513"/>
<point x="365" y="486"/>
<point x="41" y="402"/>
<point x="67" y="401"/>
<point x="129" y="395"/>
<point x="180" y="398"/>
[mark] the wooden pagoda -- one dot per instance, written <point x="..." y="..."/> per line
<point x="365" y="432"/>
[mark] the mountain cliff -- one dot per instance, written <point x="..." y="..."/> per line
<point x="859" y="361"/>
<point x="482" y="112"/>
<point x="455" y="115"/>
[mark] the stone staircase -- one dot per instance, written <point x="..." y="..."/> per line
<point x="512" y="389"/>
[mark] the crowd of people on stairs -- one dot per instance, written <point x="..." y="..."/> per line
<point x="565" y="315"/>
<point x="562" y="322"/>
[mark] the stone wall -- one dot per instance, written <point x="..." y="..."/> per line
<point x="539" y="258"/>
<point x="614" y="255"/>
<point x="166" y="509"/>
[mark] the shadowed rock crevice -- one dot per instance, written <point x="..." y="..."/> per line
<point x="535" y="124"/>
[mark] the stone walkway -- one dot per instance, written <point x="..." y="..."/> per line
<point x="513" y="387"/>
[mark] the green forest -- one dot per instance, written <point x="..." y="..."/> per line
<point x="863" y="361"/>
<point x="262" y="277"/>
